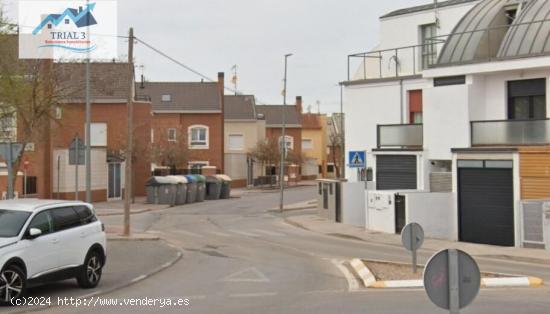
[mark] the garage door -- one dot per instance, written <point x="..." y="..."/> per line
<point x="486" y="205"/>
<point x="395" y="172"/>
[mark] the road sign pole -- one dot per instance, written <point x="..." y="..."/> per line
<point x="413" y="246"/>
<point x="454" y="297"/>
<point x="9" y="163"/>
<point x="77" y="158"/>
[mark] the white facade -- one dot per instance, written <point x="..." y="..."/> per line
<point x="378" y="95"/>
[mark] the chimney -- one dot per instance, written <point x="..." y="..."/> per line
<point x="299" y="104"/>
<point x="221" y="91"/>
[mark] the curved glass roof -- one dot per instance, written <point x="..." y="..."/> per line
<point x="480" y="32"/>
<point x="530" y="32"/>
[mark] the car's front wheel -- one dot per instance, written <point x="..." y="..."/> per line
<point x="12" y="284"/>
<point x="90" y="273"/>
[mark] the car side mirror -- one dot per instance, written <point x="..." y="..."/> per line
<point x="34" y="233"/>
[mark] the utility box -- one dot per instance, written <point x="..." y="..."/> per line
<point x="328" y="199"/>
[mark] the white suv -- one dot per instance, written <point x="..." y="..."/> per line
<point x="44" y="240"/>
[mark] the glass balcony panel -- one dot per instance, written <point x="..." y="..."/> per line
<point x="524" y="132"/>
<point x="404" y="135"/>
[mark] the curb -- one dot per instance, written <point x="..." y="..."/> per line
<point x="370" y="281"/>
<point x="275" y="210"/>
<point x="141" y="211"/>
<point x="138" y="237"/>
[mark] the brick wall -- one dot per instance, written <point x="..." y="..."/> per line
<point x="181" y="122"/>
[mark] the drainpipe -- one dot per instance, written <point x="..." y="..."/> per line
<point x="401" y="102"/>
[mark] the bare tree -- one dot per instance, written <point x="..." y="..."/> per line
<point x="173" y="154"/>
<point x="335" y="146"/>
<point x="30" y="95"/>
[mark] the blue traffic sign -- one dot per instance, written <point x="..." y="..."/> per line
<point x="357" y="159"/>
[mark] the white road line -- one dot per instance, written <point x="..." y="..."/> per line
<point x="138" y="278"/>
<point x="189" y="233"/>
<point x="246" y="234"/>
<point x="253" y="295"/>
<point x="220" y="234"/>
<point x="353" y="285"/>
<point x="270" y="233"/>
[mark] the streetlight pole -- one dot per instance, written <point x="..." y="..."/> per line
<point x="283" y="141"/>
<point x="87" y="139"/>
<point x="342" y="134"/>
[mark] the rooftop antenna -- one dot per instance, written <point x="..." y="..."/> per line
<point x="318" y="102"/>
<point x="309" y="109"/>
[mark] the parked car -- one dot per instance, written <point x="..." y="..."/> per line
<point x="45" y="240"/>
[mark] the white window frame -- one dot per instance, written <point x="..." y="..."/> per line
<point x="307" y="140"/>
<point x="241" y="148"/>
<point x="175" y="138"/>
<point x="99" y="131"/>
<point x="166" y="98"/>
<point x="206" y="143"/>
<point x="289" y="140"/>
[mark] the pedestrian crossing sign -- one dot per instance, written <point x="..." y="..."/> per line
<point x="357" y="159"/>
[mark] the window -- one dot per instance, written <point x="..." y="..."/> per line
<point x="85" y="214"/>
<point x="307" y="143"/>
<point x="11" y="222"/>
<point x="42" y="221"/>
<point x="511" y="13"/>
<point x="527" y="99"/>
<point x="30" y="187"/>
<point x="289" y="141"/>
<point x="166" y="98"/>
<point x="198" y="136"/>
<point x="449" y="80"/>
<point x="197" y="166"/>
<point x="65" y="218"/>
<point x="66" y="21"/>
<point x="236" y="142"/>
<point x="429" y="48"/>
<point x="49" y="26"/>
<point x="172" y="137"/>
<point x="99" y="134"/>
<point x="415" y="106"/>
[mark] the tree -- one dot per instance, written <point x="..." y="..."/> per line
<point x="31" y="93"/>
<point x="335" y="146"/>
<point x="173" y="154"/>
<point x="268" y="154"/>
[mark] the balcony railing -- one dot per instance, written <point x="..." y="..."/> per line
<point x="400" y="136"/>
<point x="510" y="132"/>
<point x="413" y="60"/>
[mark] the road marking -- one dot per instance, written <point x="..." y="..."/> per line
<point x="220" y="234"/>
<point x="253" y="295"/>
<point x="138" y="278"/>
<point x="246" y="234"/>
<point x="270" y="233"/>
<point x="353" y="285"/>
<point x="191" y="234"/>
<point x="251" y="274"/>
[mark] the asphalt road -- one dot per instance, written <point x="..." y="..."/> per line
<point x="241" y="258"/>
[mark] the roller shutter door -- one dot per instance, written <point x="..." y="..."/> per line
<point x="396" y="172"/>
<point x="486" y="206"/>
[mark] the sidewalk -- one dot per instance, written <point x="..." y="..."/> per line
<point x="117" y="207"/>
<point x="320" y="225"/>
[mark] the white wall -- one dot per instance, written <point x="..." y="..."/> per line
<point x="404" y="31"/>
<point x="353" y="203"/>
<point x="446" y="120"/>
<point x="434" y="212"/>
<point x="368" y="105"/>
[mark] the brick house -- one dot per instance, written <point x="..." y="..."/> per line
<point x="187" y="124"/>
<point x="46" y="161"/>
<point x="314" y="145"/>
<point x="293" y="131"/>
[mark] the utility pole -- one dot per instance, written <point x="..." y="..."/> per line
<point x="130" y="140"/>
<point x="283" y="142"/>
<point x="88" y="142"/>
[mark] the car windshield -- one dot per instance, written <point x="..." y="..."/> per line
<point x="11" y="222"/>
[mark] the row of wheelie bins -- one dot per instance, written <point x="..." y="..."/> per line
<point x="180" y="190"/>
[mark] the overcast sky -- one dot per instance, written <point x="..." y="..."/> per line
<point x="213" y="35"/>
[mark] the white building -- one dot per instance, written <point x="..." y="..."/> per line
<point x="452" y="109"/>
